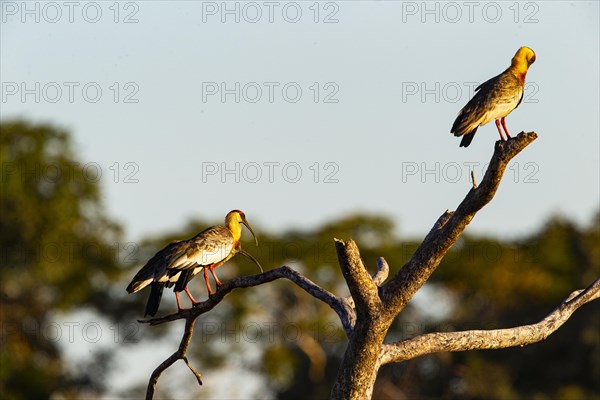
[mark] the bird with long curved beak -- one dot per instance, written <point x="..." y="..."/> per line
<point x="494" y="99"/>
<point x="180" y="261"/>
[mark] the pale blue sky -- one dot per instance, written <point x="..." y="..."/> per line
<point x="375" y="56"/>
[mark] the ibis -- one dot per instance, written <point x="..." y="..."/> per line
<point x="180" y="261"/>
<point x="494" y="99"/>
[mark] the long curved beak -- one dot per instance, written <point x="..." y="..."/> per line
<point x="250" y="229"/>
<point x="245" y="253"/>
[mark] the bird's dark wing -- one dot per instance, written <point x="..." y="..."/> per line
<point x="156" y="267"/>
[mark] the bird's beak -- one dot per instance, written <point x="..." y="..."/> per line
<point x="250" y="229"/>
<point x="245" y="253"/>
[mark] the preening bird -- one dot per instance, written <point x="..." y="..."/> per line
<point x="180" y="261"/>
<point x="495" y="99"/>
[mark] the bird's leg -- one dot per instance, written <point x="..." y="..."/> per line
<point x="212" y="271"/>
<point x="194" y="302"/>
<point x="210" y="291"/>
<point x="179" y="308"/>
<point x="499" y="130"/>
<point x="504" y="126"/>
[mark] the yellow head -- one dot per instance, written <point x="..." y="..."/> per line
<point x="233" y="219"/>
<point x="523" y="59"/>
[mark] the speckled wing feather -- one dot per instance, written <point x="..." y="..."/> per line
<point x="493" y="99"/>
<point x="208" y="247"/>
<point x="212" y="246"/>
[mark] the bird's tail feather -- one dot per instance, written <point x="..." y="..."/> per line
<point x="154" y="298"/>
<point x="183" y="280"/>
<point x="468" y="138"/>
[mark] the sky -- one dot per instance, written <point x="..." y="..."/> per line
<point x="302" y="112"/>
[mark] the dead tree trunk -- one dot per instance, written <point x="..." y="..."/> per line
<point x="372" y="306"/>
<point x="377" y="307"/>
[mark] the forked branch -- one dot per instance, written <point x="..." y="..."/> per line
<point x="180" y="354"/>
<point x="341" y="306"/>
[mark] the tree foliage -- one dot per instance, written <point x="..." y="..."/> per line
<point x="56" y="255"/>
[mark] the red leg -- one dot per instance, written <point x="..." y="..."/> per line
<point x="499" y="130"/>
<point x="210" y="291"/>
<point x="179" y="308"/>
<point x="194" y="302"/>
<point x="504" y="126"/>
<point x="212" y="271"/>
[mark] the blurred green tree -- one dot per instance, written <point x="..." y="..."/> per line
<point x="57" y="254"/>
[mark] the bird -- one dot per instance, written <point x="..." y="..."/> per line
<point x="181" y="260"/>
<point x="495" y="99"/>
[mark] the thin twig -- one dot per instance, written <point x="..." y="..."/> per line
<point x="196" y="373"/>
<point x="178" y="355"/>
<point x="383" y="269"/>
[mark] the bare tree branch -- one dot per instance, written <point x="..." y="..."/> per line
<point x="489" y="339"/>
<point x="402" y="287"/>
<point x="339" y="305"/>
<point x="180" y="354"/>
<point x="196" y="373"/>
<point x="383" y="269"/>
<point x="362" y="287"/>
